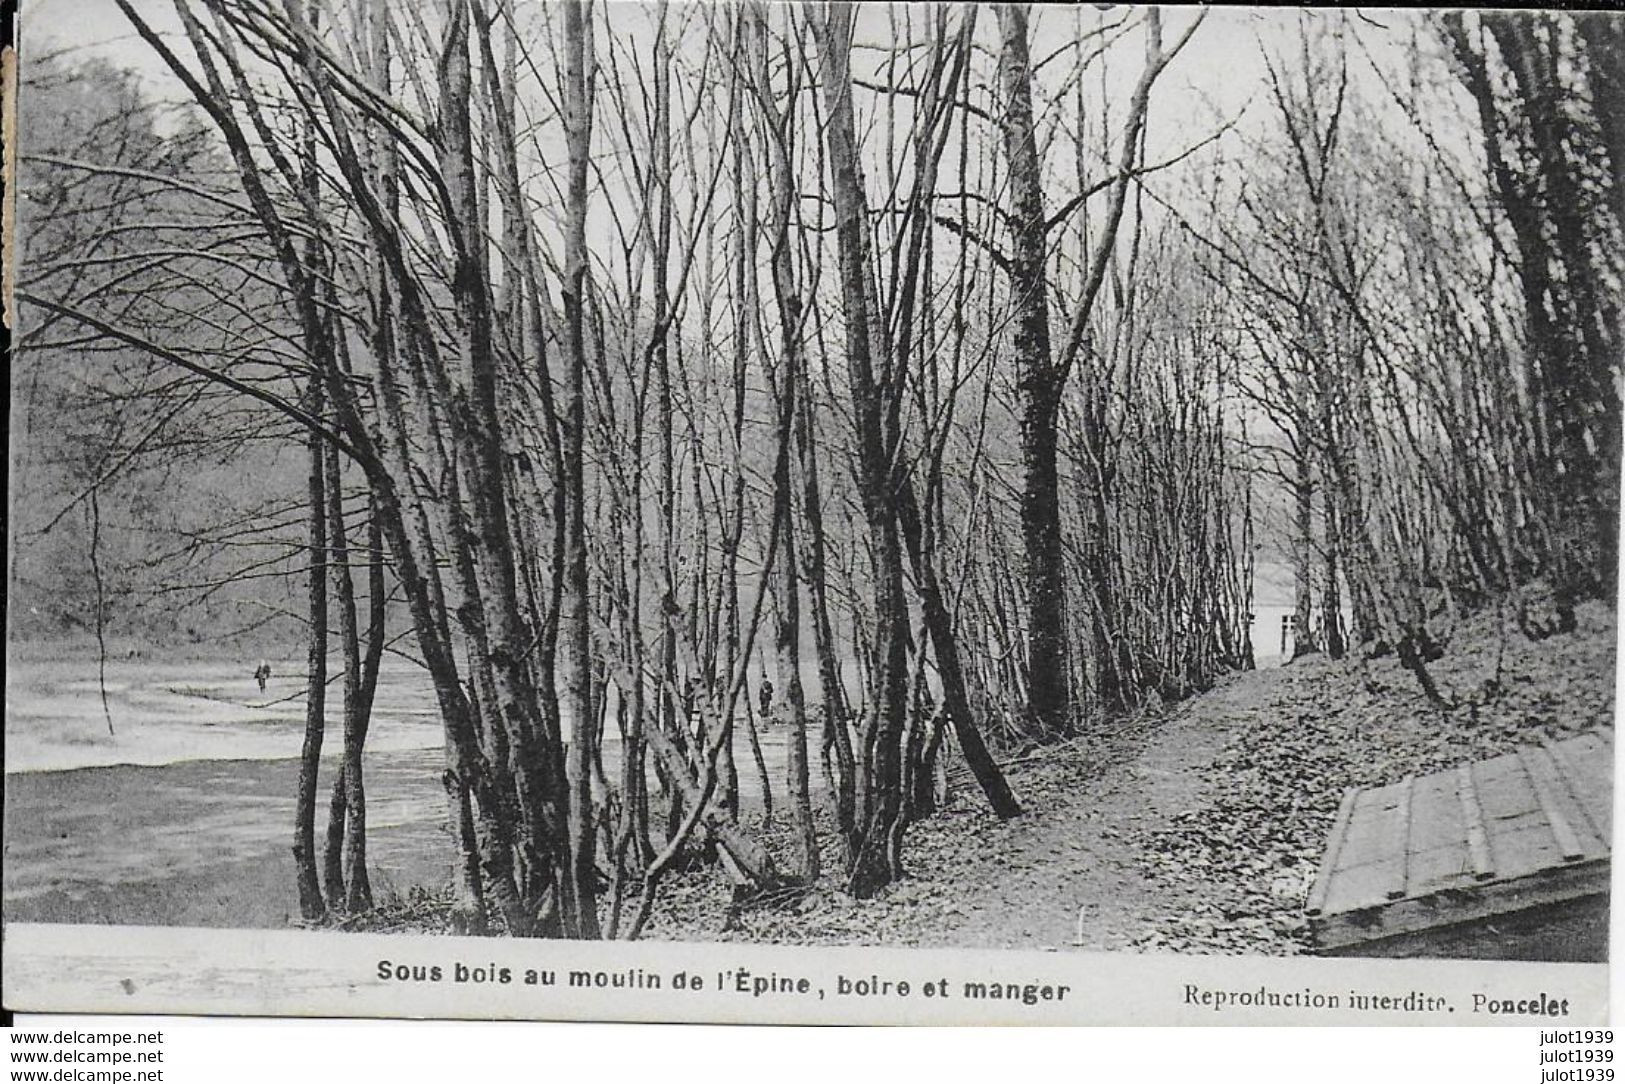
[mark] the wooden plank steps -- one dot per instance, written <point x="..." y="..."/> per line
<point x="1598" y="821"/>
<point x="1472" y="815"/>
<point x="1568" y="844"/>
<point x="1400" y="839"/>
<point x="1506" y="857"/>
<point x="1323" y="880"/>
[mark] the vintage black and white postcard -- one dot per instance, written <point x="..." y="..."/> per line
<point x="813" y="512"/>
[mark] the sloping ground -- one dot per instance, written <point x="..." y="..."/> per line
<point x="1199" y="832"/>
<point x="1071" y="864"/>
<point x="1067" y="873"/>
<point x="1235" y="868"/>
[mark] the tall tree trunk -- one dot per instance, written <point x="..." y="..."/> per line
<point x="1038" y="383"/>
<point x="577" y="99"/>
<point x="359" y="884"/>
<point x="790" y="386"/>
<point x="311" y="907"/>
<point x="837" y="737"/>
<point x="876" y="860"/>
<point x="507" y="703"/>
<point x="787" y="644"/>
<point x="347" y="808"/>
<point x="939" y="623"/>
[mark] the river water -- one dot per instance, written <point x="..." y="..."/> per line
<point x="183" y="815"/>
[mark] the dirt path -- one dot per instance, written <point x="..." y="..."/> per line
<point x="1068" y="874"/>
<point x="1201" y="832"/>
<point x="1194" y="832"/>
<point x="1081" y="881"/>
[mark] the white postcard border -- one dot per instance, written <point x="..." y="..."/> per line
<point x="146" y="970"/>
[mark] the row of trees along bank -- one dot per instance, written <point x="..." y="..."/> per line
<point x="913" y="354"/>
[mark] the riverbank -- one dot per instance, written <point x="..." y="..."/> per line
<point x="202" y="843"/>
<point x="1194" y="829"/>
<point x="1198" y="830"/>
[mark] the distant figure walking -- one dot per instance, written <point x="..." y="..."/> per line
<point x="765" y="698"/>
<point x="261" y="673"/>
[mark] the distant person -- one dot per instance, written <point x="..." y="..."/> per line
<point x="262" y="673"/>
<point x="764" y="696"/>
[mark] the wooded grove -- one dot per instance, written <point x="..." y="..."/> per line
<point x="928" y="384"/>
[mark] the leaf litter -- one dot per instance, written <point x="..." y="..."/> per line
<point x="1196" y="828"/>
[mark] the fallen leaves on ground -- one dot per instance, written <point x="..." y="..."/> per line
<point x="1237" y="869"/>
<point x="1104" y="859"/>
